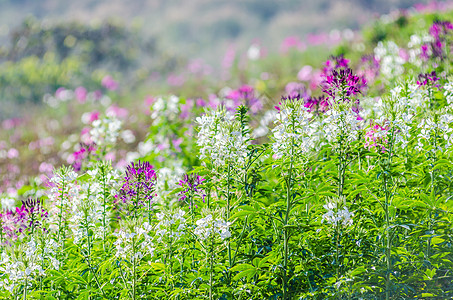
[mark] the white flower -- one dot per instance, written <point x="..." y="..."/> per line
<point x="220" y="139"/>
<point x="105" y="131"/>
<point x="210" y="227"/>
<point x="337" y="216"/>
<point x="391" y="63"/>
<point x="341" y="124"/>
<point x="295" y="131"/>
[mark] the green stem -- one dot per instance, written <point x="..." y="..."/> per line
<point x="289" y="184"/>
<point x="387" y="217"/>
<point x="228" y="215"/>
<point x="25" y="288"/>
<point x="211" y="268"/>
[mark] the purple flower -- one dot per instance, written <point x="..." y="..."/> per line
<point x="138" y="186"/>
<point x="343" y="84"/>
<point x="109" y="83"/>
<point x="429" y="79"/>
<point x="245" y="95"/>
<point x="33" y="212"/>
<point x="435" y="49"/>
<point x="191" y="185"/>
<point x="83" y="154"/>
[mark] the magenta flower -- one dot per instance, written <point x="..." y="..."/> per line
<point x="191" y="186"/>
<point x="245" y="95"/>
<point x="428" y="79"/>
<point x="86" y="150"/>
<point x="138" y="186"/>
<point x="343" y="84"/>
<point x="109" y="83"/>
<point x="376" y="138"/>
<point x="81" y="94"/>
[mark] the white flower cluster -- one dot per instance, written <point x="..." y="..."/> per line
<point x="448" y="93"/>
<point x="414" y="48"/>
<point x="295" y="131"/>
<point x="61" y="195"/>
<point x="220" y="139"/>
<point x="341" y="124"/>
<point x="105" y="131"/>
<point x="432" y="133"/>
<point x="134" y="245"/>
<point x="167" y="180"/>
<point x="391" y="63"/>
<point x="207" y="227"/>
<point x="164" y="110"/>
<point x="30" y="260"/>
<point x="170" y="225"/>
<point x="336" y="216"/>
<point x="86" y="213"/>
<point x="399" y="109"/>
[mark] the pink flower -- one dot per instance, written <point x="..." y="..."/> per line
<point x="81" y="94"/>
<point x="292" y="42"/>
<point x="117" y="111"/>
<point x="376" y="138"/>
<point x="109" y="83"/>
<point x="305" y="74"/>
<point x="13" y="153"/>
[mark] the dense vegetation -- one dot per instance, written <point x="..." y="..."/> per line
<point x="340" y="189"/>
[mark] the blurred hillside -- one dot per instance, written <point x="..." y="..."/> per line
<point x="204" y="28"/>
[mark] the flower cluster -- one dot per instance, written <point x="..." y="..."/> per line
<point x="336" y="215"/>
<point x="191" y="185"/>
<point x="434" y="131"/>
<point x="376" y="137"/>
<point x="138" y="184"/>
<point x="31" y="259"/>
<point x="133" y="244"/>
<point x="342" y="84"/>
<point x="209" y="227"/>
<point x="105" y="131"/>
<point x="341" y="124"/>
<point x="83" y="154"/>
<point x="391" y="60"/>
<point x="170" y="226"/>
<point x="295" y="131"/>
<point x="86" y="213"/>
<point x="221" y="139"/>
<point x="428" y="79"/>
<point x="439" y="31"/>
<point x="245" y="95"/>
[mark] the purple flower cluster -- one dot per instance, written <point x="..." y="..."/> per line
<point x="191" y="184"/>
<point x="23" y="219"/>
<point x="138" y="185"/>
<point x="317" y="104"/>
<point x="246" y="95"/>
<point x="435" y="49"/>
<point x="428" y="79"/>
<point x="84" y="153"/>
<point x="343" y="83"/>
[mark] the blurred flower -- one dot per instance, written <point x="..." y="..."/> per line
<point x="305" y="74"/>
<point x="292" y="42"/>
<point x="376" y="137"/>
<point x="109" y="83"/>
<point x="81" y="94"/>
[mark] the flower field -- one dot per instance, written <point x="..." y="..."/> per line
<point x="299" y="175"/>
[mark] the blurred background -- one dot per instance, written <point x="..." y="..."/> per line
<point x="48" y="44"/>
